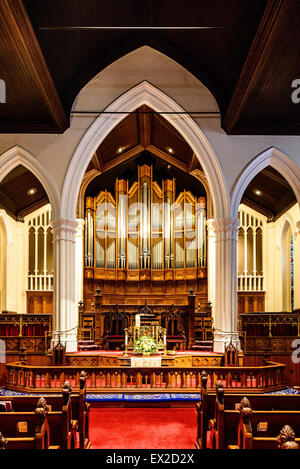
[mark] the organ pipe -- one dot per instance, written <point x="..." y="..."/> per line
<point x="89" y="232"/>
<point x="145" y="226"/>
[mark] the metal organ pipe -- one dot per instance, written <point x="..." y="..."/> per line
<point x="90" y="239"/>
<point x="145" y="225"/>
<point x="167" y="233"/>
<point x="158" y="232"/>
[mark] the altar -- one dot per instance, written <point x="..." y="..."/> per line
<point x="145" y="362"/>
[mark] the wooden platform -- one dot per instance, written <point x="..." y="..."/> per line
<point x="103" y="358"/>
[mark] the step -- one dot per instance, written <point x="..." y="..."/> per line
<point x="87" y="347"/>
<point x="201" y="348"/>
<point x="204" y="342"/>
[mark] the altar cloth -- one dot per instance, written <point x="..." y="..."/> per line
<point x="145" y="362"/>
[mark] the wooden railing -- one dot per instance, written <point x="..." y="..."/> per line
<point x="28" y="378"/>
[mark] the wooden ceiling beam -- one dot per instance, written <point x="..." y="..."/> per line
<point x="259" y="208"/>
<point x="31" y="208"/>
<point x="276" y="178"/>
<point x="97" y="161"/>
<point x="193" y="163"/>
<point x="123" y="157"/>
<point x="144" y="123"/>
<point x="256" y="61"/>
<point x="168" y="158"/>
<point x="25" y="55"/>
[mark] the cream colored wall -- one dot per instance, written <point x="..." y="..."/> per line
<point x="14" y="298"/>
<point x="234" y="152"/>
<point x="273" y="254"/>
<point x="274" y="294"/>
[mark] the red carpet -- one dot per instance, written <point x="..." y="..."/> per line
<point x="143" y="428"/>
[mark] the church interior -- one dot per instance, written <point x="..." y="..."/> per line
<point x="149" y="224"/>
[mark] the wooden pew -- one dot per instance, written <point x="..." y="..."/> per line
<point x="202" y="414"/>
<point x="248" y="434"/>
<point x="222" y="415"/>
<point x="63" y="427"/>
<point x="38" y="432"/>
<point x="78" y="411"/>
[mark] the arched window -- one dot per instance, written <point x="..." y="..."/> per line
<point x="250" y="251"/>
<point x="40" y="245"/>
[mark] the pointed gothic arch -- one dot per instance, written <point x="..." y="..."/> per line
<point x="16" y="156"/>
<point x="144" y="93"/>
<point x="285" y="219"/>
<point x="271" y="157"/>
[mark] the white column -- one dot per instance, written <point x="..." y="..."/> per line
<point x="19" y="271"/>
<point x="65" y="318"/>
<point x="211" y="264"/>
<point x="272" y="268"/>
<point x="297" y="266"/>
<point x="226" y="230"/>
<point x="79" y="260"/>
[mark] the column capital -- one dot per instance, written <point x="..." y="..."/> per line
<point x="210" y="228"/>
<point x="226" y="228"/>
<point x="64" y="229"/>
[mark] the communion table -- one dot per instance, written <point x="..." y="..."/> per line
<point x="145" y="362"/>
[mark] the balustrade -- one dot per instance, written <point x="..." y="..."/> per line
<point x="157" y="379"/>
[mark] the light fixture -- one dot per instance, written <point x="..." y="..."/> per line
<point x="32" y="191"/>
<point x="120" y="149"/>
<point x="170" y="150"/>
<point x="257" y="192"/>
<point x="169" y="166"/>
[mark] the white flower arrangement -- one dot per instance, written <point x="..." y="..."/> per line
<point x="146" y="345"/>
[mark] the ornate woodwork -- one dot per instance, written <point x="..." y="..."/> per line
<point x="28" y="332"/>
<point x="39" y="302"/>
<point x="269" y="332"/>
<point x="106" y="323"/>
<point x="251" y="302"/>
<point x="117" y="379"/>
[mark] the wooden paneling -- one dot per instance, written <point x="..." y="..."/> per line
<point x="32" y="101"/>
<point x="254" y="41"/>
<point x="262" y="102"/>
<point x="251" y="302"/>
<point x="136" y="291"/>
<point x="291" y="372"/>
<point x="39" y="302"/>
<point x="84" y="53"/>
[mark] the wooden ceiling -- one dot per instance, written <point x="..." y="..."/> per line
<point x="13" y="193"/>
<point x="162" y="170"/>
<point x="139" y="131"/>
<point x="247" y="55"/>
<point x="276" y="194"/>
